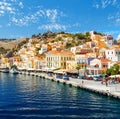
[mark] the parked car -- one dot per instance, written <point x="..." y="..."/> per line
<point x="59" y="76"/>
<point x="65" y="77"/>
<point x="74" y="76"/>
<point x="50" y="74"/>
<point x="97" y="78"/>
<point x="82" y="77"/>
<point x="89" y="78"/>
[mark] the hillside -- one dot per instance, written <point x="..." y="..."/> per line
<point x="67" y="40"/>
<point x="9" y="44"/>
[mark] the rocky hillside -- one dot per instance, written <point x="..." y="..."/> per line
<point x="9" y="44"/>
<point x="6" y="45"/>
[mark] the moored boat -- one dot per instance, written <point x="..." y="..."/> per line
<point x="5" y="70"/>
<point x="14" y="71"/>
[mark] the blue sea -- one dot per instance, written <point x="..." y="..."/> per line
<point x="31" y="97"/>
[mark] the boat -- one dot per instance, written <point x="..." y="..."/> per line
<point x="5" y="70"/>
<point x="14" y="71"/>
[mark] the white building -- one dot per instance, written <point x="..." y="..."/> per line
<point x="73" y="49"/>
<point x="108" y="39"/>
<point x="113" y="54"/>
<point x="43" y="49"/>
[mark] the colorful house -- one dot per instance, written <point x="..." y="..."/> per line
<point x="57" y="59"/>
<point x="113" y="53"/>
<point x="98" y="66"/>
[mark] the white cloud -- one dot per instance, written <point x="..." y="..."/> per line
<point x="105" y="3"/>
<point x="110" y="17"/>
<point x="76" y="25"/>
<point x="13" y="0"/>
<point x="97" y="6"/>
<point x="112" y="32"/>
<point x="115" y="19"/>
<point x="52" y="27"/>
<point x="6" y="7"/>
<point x="14" y="9"/>
<point x="21" y="5"/>
<point x="118" y="20"/>
<point x="50" y="15"/>
<point x="1" y="12"/>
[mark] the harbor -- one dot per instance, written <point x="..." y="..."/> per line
<point x="111" y="90"/>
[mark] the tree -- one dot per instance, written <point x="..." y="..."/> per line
<point x="116" y="68"/>
<point x="113" y="70"/>
<point x="33" y="36"/>
<point x="87" y="34"/>
<point x="14" y="67"/>
<point x="68" y="45"/>
<point x="78" y="67"/>
<point x="108" y="71"/>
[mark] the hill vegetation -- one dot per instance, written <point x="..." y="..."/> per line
<point x="76" y="39"/>
<point x="69" y="39"/>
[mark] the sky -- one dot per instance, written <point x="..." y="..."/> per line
<point x="23" y="18"/>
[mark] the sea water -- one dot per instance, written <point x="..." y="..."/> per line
<point x="31" y="97"/>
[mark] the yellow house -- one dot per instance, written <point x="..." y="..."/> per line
<point x="70" y="65"/>
<point x="57" y="59"/>
<point x="39" y="63"/>
<point x="15" y="60"/>
<point x="4" y="62"/>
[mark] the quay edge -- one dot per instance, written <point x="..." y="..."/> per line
<point x="75" y="84"/>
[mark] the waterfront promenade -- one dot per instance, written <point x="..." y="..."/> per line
<point x="111" y="90"/>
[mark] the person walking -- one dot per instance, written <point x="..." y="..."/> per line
<point x="106" y="81"/>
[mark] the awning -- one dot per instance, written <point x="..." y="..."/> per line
<point x="61" y="71"/>
<point x="49" y="69"/>
<point x="113" y="76"/>
<point x="72" y="71"/>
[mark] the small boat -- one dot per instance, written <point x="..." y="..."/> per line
<point x="14" y="71"/>
<point x="6" y="70"/>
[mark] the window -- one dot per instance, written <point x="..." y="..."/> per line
<point x="105" y="65"/>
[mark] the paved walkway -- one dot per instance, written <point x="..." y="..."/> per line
<point x="98" y="86"/>
<point x="112" y="90"/>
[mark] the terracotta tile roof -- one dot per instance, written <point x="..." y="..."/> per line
<point x="16" y="57"/>
<point x="115" y="47"/>
<point x="60" y="53"/>
<point x="103" y="60"/>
